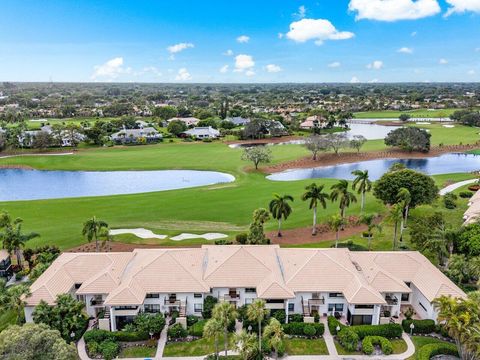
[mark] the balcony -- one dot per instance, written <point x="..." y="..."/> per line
<point x="316" y="302"/>
<point x="97" y="302"/>
<point x="172" y="302"/>
<point x="231" y="297"/>
<point x="391" y="300"/>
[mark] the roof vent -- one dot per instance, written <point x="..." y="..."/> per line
<point x="358" y="267"/>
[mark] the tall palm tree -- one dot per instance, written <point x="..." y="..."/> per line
<point x="92" y="229"/>
<point x="213" y="329"/>
<point x="12" y="298"/>
<point x="224" y="313"/>
<point x="336" y="222"/>
<point x="369" y="220"/>
<point x="364" y="184"/>
<point x="274" y="333"/>
<point x="256" y="311"/>
<point x="395" y="216"/>
<point x="346" y="198"/>
<point x="315" y="194"/>
<point x="245" y="344"/>
<point x="404" y="198"/>
<point x="12" y="237"/>
<point x="280" y="209"/>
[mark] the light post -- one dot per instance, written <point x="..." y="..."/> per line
<point x="72" y="335"/>
<point x="411" y="328"/>
<point x="249" y="328"/>
<point x="337" y="328"/>
<point x="151" y="334"/>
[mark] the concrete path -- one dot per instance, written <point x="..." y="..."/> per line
<point x="332" y="350"/>
<point x="162" y="341"/>
<point x="455" y="186"/>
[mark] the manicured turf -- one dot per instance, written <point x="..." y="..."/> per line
<point x="342" y="351"/>
<point x="420" y="341"/>
<point x="299" y="346"/>
<point x="420" y="113"/>
<point x="138" y="352"/>
<point x="194" y="348"/>
<point x="399" y="346"/>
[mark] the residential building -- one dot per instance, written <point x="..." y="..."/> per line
<point x="64" y="138"/>
<point x="311" y="122"/>
<point x="204" y="132"/>
<point x="150" y="134"/>
<point x="362" y="287"/>
<point x="238" y="120"/>
<point x="188" y="121"/>
<point x="5" y="264"/>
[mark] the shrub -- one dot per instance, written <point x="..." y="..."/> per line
<point x="369" y="341"/>
<point x="98" y="336"/>
<point x="279" y="315"/>
<point x="295" y="318"/>
<point x="208" y="304"/>
<point x="332" y="325"/>
<point x="409" y="313"/>
<point x="420" y="326"/>
<point x="428" y="351"/>
<point x="316" y="318"/>
<point x="129" y="336"/>
<point x="465" y="194"/>
<point x="177" y="332"/>
<point x="241" y="238"/>
<point x="389" y="331"/>
<point x="109" y="349"/>
<point x="309" y="330"/>
<point x="197" y="328"/>
<point x="192" y="319"/>
<point x="449" y="201"/>
<point x="93" y="348"/>
<point x="348" y="339"/>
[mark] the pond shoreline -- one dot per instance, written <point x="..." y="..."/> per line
<point x="330" y="159"/>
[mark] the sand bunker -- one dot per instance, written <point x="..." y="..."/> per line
<point x="206" y="236"/>
<point x="139" y="232"/>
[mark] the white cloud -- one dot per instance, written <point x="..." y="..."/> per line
<point x="281" y="35"/>
<point x="174" y="49"/>
<point x="405" y="50"/>
<point x="461" y="6"/>
<point x="471" y="72"/>
<point x="243" y="63"/>
<point x="443" y="61"/>
<point x="243" y="39"/>
<point x="334" y="64"/>
<point x="183" y="75"/>
<point x="149" y="70"/>
<point x="413" y="33"/>
<point x="224" y="69"/>
<point x="393" y="10"/>
<point x="110" y="70"/>
<point x="229" y="52"/>
<point x="375" y="65"/>
<point x="272" y="68"/>
<point x="316" y="29"/>
<point x="250" y="73"/>
<point x="354" y="80"/>
<point x="302" y="11"/>
<point x="373" y="81"/>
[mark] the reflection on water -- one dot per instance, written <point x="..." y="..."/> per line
<point x="19" y="184"/>
<point x="444" y="164"/>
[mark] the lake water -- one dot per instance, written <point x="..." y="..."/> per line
<point x="444" y="164"/>
<point x="19" y="184"/>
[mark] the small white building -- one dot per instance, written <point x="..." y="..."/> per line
<point x="188" y="121"/>
<point x="204" y="132"/>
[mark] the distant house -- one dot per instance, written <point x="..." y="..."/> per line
<point x="64" y="137"/>
<point x="311" y="122"/>
<point x="189" y="121"/>
<point x="205" y="132"/>
<point x="238" y="120"/>
<point x="124" y="136"/>
<point x="275" y="128"/>
<point x="5" y="264"/>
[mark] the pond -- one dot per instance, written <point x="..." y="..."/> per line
<point x="444" y="164"/>
<point x="20" y="184"/>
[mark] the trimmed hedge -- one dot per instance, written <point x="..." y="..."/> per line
<point x="298" y="329"/>
<point x="177" y="332"/>
<point x="369" y="342"/>
<point x="333" y="323"/>
<point x="420" y="326"/>
<point x="131" y="336"/>
<point x="428" y="351"/>
<point x="389" y="331"/>
<point x="99" y="336"/>
<point x="348" y="338"/>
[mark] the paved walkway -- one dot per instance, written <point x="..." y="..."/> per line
<point x="455" y="186"/>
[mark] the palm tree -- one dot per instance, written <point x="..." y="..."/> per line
<point x="369" y="220"/>
<point x="224" y="313"/>
<point x="274" y="333"/>
<point x="213" y="329"/>
<point x="245" y="344"/>
<point x="336" y="222"/>
<point x="404" y="198"/>
<point x="340" y="192"/>
<point x="280" y="209"/>
<point x="395" y="216"/>
<point x="12" y="298"/>
<point x="256" y="311"/>
<point x="364" y="184"/>
<point x="12" y="237"/>
<point x="92" y="229"/>
<point x="316" y="196"/>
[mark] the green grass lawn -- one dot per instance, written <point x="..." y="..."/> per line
<point x="423" y="113"/>
<point x="198" y="347"/>
<point x="399" y="346"/>
<point x="300" y="346"/>
<point x="7" y="317"/>
<point x="223" y="208"/>
<point x="420" y="341"/>
<point x="342" y="351"/>
<point x="138" y="352"/>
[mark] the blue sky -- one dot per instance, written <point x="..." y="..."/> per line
<point x="249" y="41"/>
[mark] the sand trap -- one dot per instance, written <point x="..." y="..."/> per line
<point x="139" y="232"/>
<point x="449" y="126"/>
<point x="206" y="236"/>
<point x="422" y="123"/>
<point x="53" y="154"/>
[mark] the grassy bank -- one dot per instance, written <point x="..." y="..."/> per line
<point x="421" y="113"/>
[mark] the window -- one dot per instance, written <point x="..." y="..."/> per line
<point x="316" y="296"/>
<point x="197" y="307"/>
<point x="153" y="296"/>
<point x="250" y="290"/>
<point x="274" y="301"/>
<point x="125" y="307"/>
<point x="405" y="296"/>
<point x="335" y="295"/>
<point x="335" y="307"/>
<point x="77" y="285"/>
<point x="422" y="306"/>
<point x="248" y="301"/>
<point x="197" y="295"/>
<point x="152" y="308"/>
<point x="364" y="306"/>
<point x="291" y="307"/>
